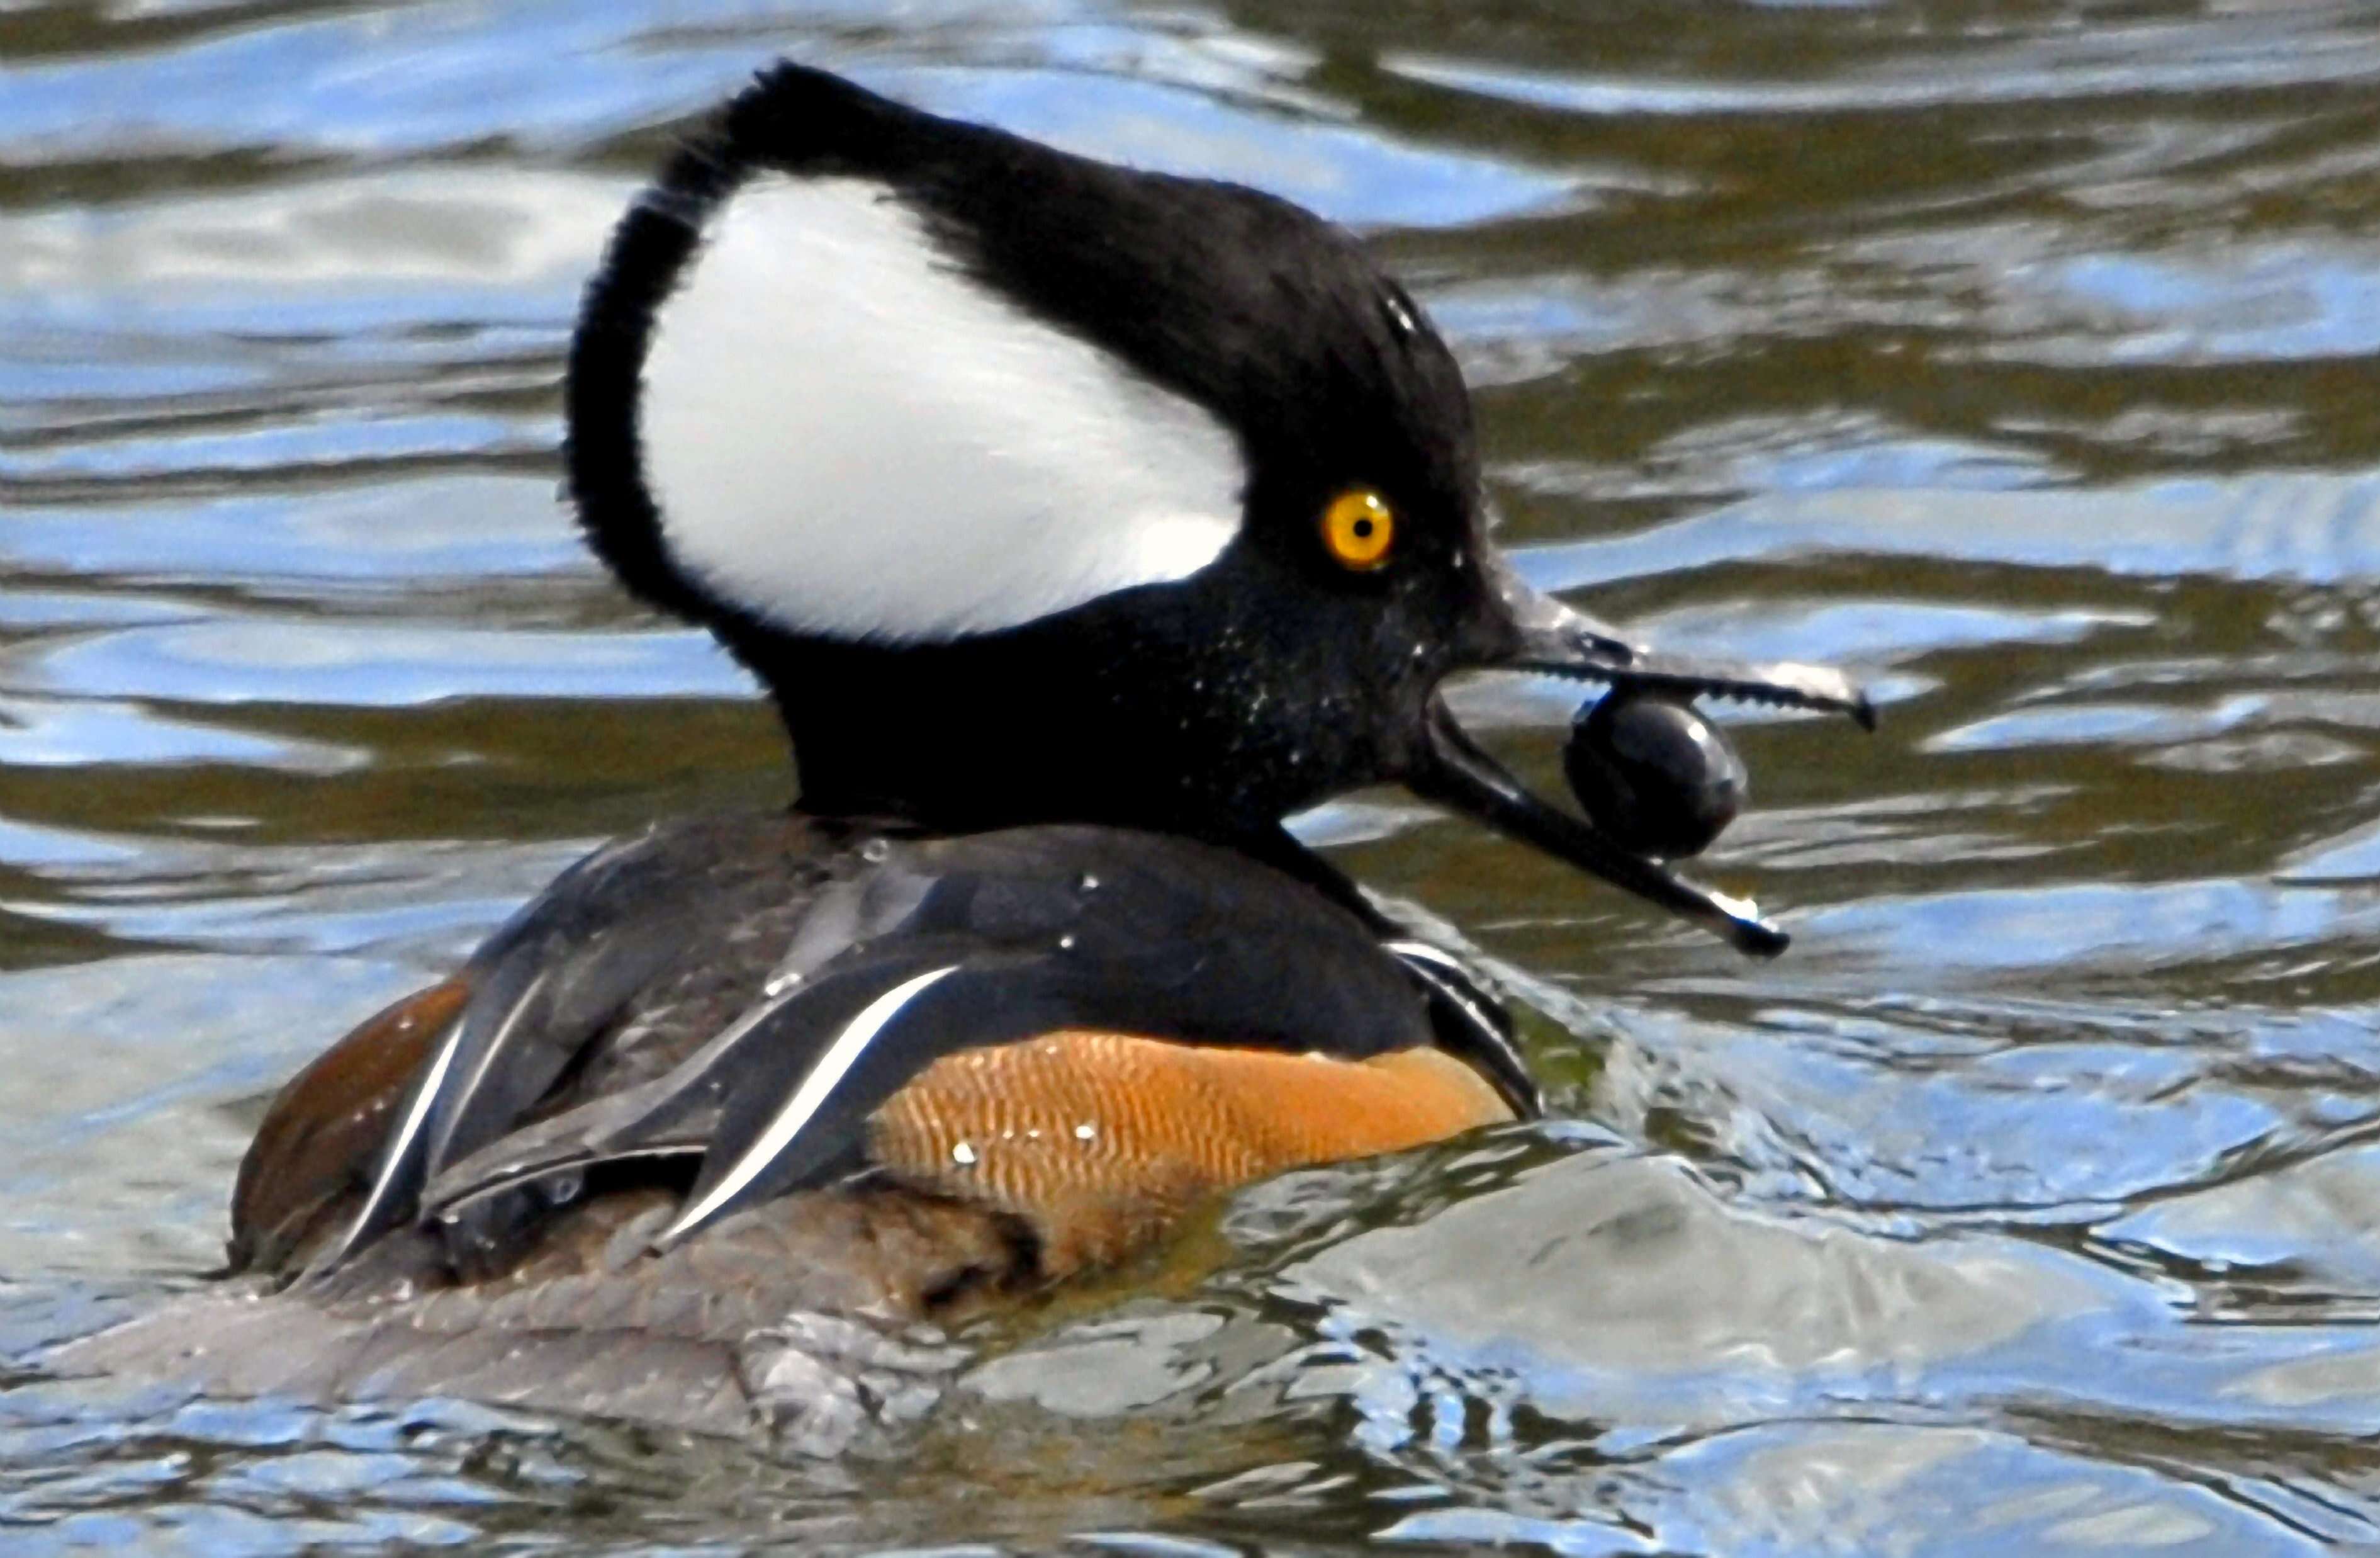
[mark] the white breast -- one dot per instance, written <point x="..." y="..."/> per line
<point x="847" y="435"/>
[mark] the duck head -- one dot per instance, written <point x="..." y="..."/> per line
<point x="1039" y="489"/>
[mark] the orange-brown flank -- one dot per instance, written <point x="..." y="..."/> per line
<point x="1099" y="1140"/>
<point x="323" y="1128"/>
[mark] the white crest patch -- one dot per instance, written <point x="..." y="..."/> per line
<point x="846" y="435"/>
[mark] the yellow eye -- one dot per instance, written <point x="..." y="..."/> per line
<point x="1358" y="529"/>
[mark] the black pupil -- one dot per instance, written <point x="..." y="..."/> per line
<point x="1363" y="530"/>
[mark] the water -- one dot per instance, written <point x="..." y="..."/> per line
<point x="2023" y="355"/>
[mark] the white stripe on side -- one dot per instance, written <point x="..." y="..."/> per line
<point x="847" y="435"/>
<point x="817" y="1087"/>
<point x="488" y="1055"/>
<point x="417" y="1113"/>
<point x="1423" y="951"/>
<point x="1445" y="973"/>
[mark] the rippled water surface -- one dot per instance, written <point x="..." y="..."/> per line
<point x="2026" y="356"/>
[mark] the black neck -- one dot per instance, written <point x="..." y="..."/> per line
<point x="963" y="741"/>
<point x="992" y="736"/>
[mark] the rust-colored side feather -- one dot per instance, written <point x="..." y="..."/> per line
<point x="324" y="1130"/>
<point x="1100" y="1142"/>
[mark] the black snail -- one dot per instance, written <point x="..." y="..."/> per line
<point x="1653" y="773"/>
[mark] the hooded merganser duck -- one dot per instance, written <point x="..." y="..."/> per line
<point x="1082" y="523"/>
